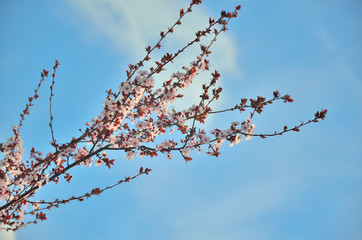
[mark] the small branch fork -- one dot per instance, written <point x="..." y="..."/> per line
<point x="95" y="191"/>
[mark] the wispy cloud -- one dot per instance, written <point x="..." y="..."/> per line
<point x="132" y="25"/>
<point x="129" y="26"/>
<point x="4" y="235"/>
<point x="195" y="211"/>
<point x="232" y="216"/>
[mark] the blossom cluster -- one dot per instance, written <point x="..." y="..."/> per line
<point x="137" y="119"/>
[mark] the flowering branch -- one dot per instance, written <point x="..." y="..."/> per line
<point x="132" y="120"/>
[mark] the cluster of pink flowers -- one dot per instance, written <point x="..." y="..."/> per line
<point x="135" y="120"/>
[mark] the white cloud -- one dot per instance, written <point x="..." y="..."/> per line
<point x="4" y="235"/>
<point x="129" y="26"/>
<point x="218" y="218"/>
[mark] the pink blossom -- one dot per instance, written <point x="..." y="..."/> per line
<point x="35" y="206"/>
<point x="81" y="153"/>
<point x="130" y="154"/>
<point x="125" y="88"/>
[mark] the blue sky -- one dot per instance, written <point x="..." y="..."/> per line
<point x="299" y="186"/>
